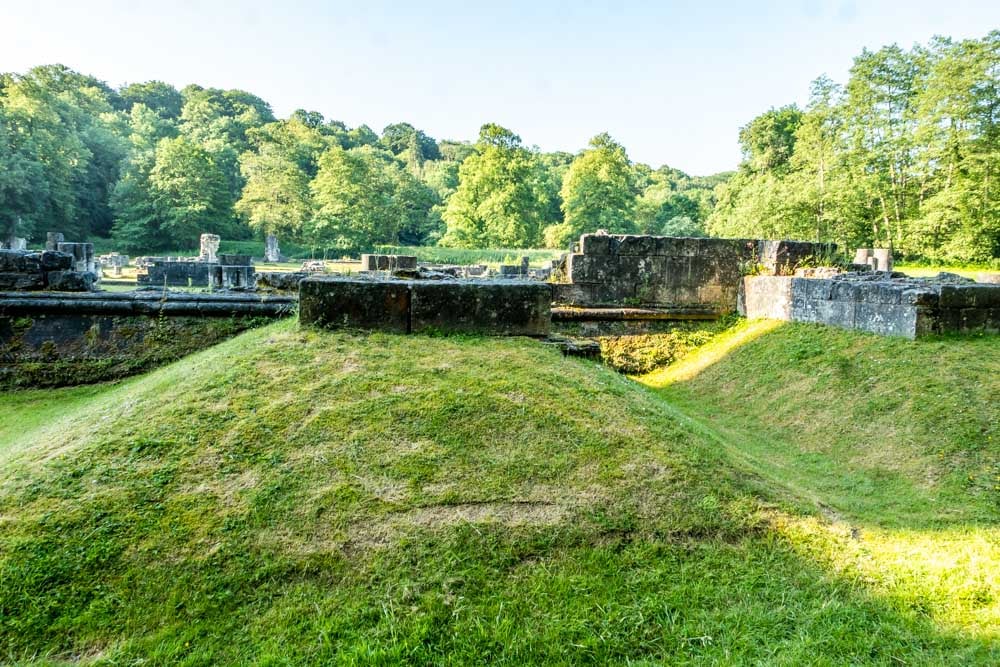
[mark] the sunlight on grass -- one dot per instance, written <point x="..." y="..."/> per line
<point x="721" y="346"/>
<point x="950" y="576"/>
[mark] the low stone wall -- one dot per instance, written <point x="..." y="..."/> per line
<point x="876" y="303"/>
<point x="181" y="273"/>
<point x="373" y="262"/>
<point x="700" y="274"/>
<point x="46" y="270"/>
<point x="225" y="271"/>
<point x="49" y="339"/>
<point x="424" y="306"/>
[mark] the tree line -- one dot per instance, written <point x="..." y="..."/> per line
<point x="153" y="167"/>
<point x="905" y="155"/>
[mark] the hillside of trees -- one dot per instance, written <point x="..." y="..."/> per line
<point x="153" y="167"/>
<point x="904" y="154"/>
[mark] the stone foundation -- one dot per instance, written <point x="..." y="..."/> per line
<point x="876" y="303"/>
<point x="387" y="262"/>
<point x="51" y="339"/>
<point x="423" y="306"/>
<point x="700" y="274"/>
<point x="47" y="270"/>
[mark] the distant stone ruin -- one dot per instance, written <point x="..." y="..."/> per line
<point x="208" y="269"/>
<point x="209" y="248"/>
<point x="21" y="270"/>
<point x="877" y="259"/>
<point x="83" y="257"/>
<point x="272" y="253"/>
<point x="53" y="239"/>
<point x="114" y="261"/>
<point x="375" y="262"/>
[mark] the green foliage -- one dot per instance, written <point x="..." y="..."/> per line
<point x="356" y="194"/>
<point x="903" y="156"/>
<point x="599" y="189"/>
<point x="499" y="200"/>
<point x="636" y="355"/>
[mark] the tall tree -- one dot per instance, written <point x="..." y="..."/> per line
<point x="599" y="189"/>
<point x="498" y="201"/>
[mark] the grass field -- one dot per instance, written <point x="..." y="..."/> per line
<point x="786" y="494"/>
<point x="921" y="271"/>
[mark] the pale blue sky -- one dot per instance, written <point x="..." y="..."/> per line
<point x="672" y="81"/>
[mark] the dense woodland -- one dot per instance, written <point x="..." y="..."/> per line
<point x="905" y="153"/>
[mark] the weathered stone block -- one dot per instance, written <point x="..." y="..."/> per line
<point x="53" y="239"/>
<point x="635" y="245"/>
<point x="878" y="292"/>
<point x="596" y="244"/>
<point x="334" y="302"/>
<point x="375" y="262"/>
<point x="282" y="281"/>
<point x="819" y="290"/>
<point x="70" y="281"/>
<point x="519" y="308"/>
<point x="963" y="296"/>
<point x="919" y="296"/>
<point x="22" y="281"/>
<point x="885" y="319"/>
<point x="230" y="259"/>
<point x="845" y="291"/>
<point x="838" y="313"/>
<point x="767" y="297"/>
<point x="55" y="261"/>
<point x="18" y="261"/>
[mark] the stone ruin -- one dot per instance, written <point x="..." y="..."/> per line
<point x="876" y="259"/>
<point x="21" y="270"/>
<point x="53" y="239"/>
<point x="209" y="248"/>
<point x="885" y="303"/>
<point x="208" y="269"/>
<point x="504" y="307"/>
<point x="272" y="253"/>
<point x="15" y="243"/>
<point x="377" y="262"/>
<point x="114" y="261"/>
<point x="232" y="272"/>
<point x="689" y="277"/>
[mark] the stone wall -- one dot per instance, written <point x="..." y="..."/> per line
<point x="422" y="306"/>
<point x="175" y="273"/>
<point x="50" y="339"/>
<point x="226" y="272"/>
<point x="876" y="303"/>
<point x="701" y="275"/>
<point x="46" y="270"/>
<point x="372" y="262"/>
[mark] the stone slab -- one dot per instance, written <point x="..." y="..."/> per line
<point x="333" y="302"/>
<point x="510" y="308"/>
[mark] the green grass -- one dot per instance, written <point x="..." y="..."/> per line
<point x="930" y="270"/>
<point x="297" y="253"/>
<point x="490" y="256"/>
<point x="299" y="497"/>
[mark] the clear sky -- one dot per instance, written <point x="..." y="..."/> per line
<point x="672" y="81"/>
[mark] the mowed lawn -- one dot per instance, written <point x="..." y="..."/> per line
<point x="785" y="495"/>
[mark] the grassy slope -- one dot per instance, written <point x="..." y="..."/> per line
<point x="894" y="440"/>
<point x="294" y="497"/>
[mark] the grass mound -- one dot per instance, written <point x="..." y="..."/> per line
<point x="293" y="497"/>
